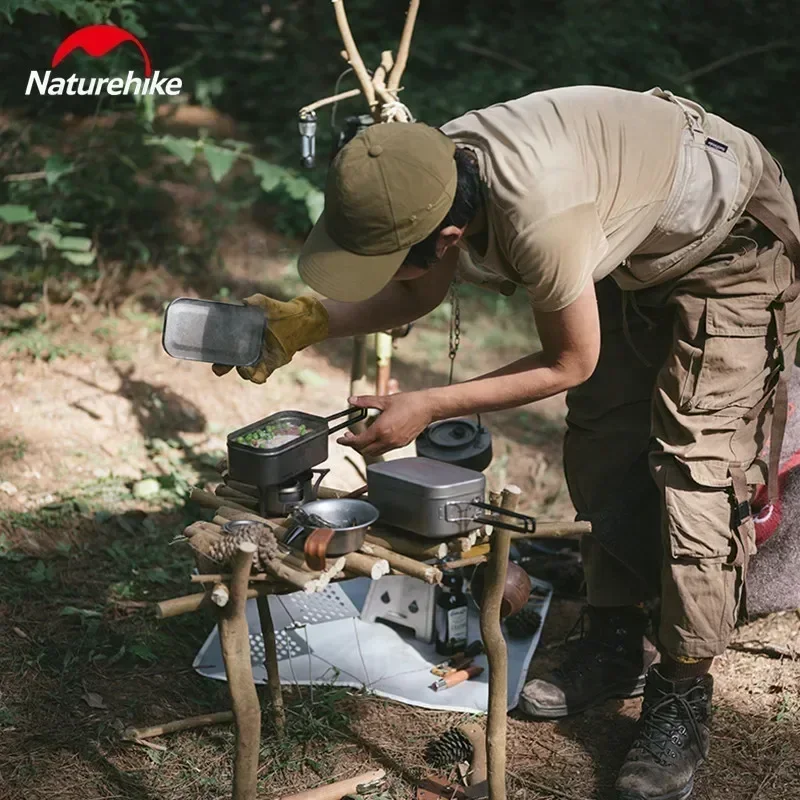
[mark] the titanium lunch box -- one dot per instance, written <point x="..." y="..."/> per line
<point x="301" y="443"/>
<point x="434" y="499"/>
<point x="213" y="332"/>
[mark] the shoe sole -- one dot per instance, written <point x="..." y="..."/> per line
<point x="622" y="692"/>
<point x="681" y="794"/>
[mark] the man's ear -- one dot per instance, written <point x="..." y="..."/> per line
<point x="448" y="237"/>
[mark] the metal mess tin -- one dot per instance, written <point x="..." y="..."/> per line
<point x="271" y="466"/>
<point x="434" y="499"/>
<point x="216" y="333"/>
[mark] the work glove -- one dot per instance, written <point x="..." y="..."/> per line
<point x="291" y="326"/>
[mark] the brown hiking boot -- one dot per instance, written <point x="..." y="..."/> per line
<point x="610" y="659"/>
<point x="672" y="741"/>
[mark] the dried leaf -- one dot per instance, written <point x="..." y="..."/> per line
<point x="93" y="700"/>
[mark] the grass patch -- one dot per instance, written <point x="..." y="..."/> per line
<point x="120" y="353"/>
<point x="13" y="448"/>
<point x="39" y="345"/>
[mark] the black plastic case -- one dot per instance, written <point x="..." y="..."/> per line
<point x="217" y="333"/>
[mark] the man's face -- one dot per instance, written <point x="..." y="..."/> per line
<point x="448" y="237"/>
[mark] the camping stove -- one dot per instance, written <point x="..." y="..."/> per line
<point x="279" y="454"/>
<point x="279" y="500"/>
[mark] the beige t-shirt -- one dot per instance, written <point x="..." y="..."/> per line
<point x="578" y="179"/>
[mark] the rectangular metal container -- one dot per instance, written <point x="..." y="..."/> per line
<point x="213" y="332"/>
<point x="426" y="497"/>
<point x="270" y="467"/>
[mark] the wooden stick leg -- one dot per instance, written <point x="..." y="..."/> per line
<point x="235" y="640"/>
<point x="496" y="651"/>
<point x="271" y="662"/>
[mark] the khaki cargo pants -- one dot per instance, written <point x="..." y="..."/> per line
<point x="654" y="435"/>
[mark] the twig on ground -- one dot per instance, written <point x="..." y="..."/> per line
<point x="764" y="649"/>
<point x="152" y="745"/>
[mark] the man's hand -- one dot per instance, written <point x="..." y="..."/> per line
<point x="571" y="344"/>
<point x="403" y="417"/>
<point x="291" y="326"/>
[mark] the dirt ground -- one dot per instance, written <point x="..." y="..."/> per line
<point x="100" y="435"/>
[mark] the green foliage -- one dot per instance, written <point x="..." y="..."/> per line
<point x="14" y="448"/>
<point x="81" y="12"/>
<point x="38" y="345"/>
<point x="276" y="181"/>
<point x="259" y="63"/>
<point x="52" y="238"/>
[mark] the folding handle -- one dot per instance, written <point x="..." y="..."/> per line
<point x="360" y="413"/>
<point x="528" y="523"/>
<point x="320" y="473"/>
<point x="316" y="548"/>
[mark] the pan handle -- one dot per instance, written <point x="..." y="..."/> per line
<point x="316" y="548"/>
<point x="528" y="523"/>
<point x="360" y="413"/>
<point x="321" y="473"/>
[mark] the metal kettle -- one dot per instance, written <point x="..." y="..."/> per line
<point x="457" y="441"/>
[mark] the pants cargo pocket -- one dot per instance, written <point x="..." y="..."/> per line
<point x="701" y="581"/>
<point x="731" y="365"/>
<point x="698" y="518"/>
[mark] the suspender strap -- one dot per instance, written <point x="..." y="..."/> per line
<point x="741" y="513"/>
<point x="778" y="227"/>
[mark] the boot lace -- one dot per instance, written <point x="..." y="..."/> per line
<point x="664" y="730"/>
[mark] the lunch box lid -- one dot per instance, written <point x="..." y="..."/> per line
<point x="425" y="477"/>
<point x="213" y="332"/>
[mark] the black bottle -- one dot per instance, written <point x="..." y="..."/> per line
<point x="451" y="615"/>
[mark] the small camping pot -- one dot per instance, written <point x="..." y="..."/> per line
<point x="457" y="441"/>
<point x="345" y="527"/>
<point x="516" y="591"/>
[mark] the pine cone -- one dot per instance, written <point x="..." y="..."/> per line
<point x="452" y="747"/>
<point x="267" y="549"/>
<point x="524" y="623"/>
<point x="224" y="549"/>
<point x="258" y="533"/>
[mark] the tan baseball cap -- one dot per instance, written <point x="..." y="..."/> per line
<point x="387" y="189"/>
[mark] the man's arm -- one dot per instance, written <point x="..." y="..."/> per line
<point x="398" y="303"/>
<point x="570" y="349"/>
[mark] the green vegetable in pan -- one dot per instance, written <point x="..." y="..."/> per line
<point x="273" y="435"/>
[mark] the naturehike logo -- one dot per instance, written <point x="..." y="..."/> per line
<point x="97" y="41"/>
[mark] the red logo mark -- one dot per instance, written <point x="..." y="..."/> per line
<point x="97" y="41"/>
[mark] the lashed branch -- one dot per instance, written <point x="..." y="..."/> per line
<point x="271" y="664"/>
<point x="353" y="56"/>
<point x="326" y="101"/>
<point x="496" y="651"/>
<point x="234" y="638"/>
<point x="404" y="47"/>
<point x="384" y="68"/>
